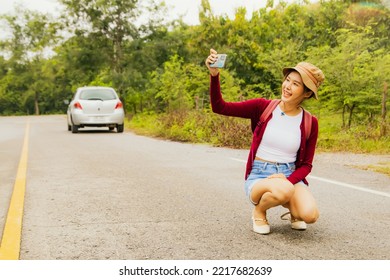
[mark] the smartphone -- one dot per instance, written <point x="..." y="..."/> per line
<point x="220" y="63"/>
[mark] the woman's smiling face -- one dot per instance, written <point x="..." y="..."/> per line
<point x="293" y="89"/>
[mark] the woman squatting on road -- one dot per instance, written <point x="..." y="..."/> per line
<point x="282" y="148"/>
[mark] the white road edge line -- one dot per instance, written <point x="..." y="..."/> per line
<point x="349" y="186"/>
<point x="337" y="183"/>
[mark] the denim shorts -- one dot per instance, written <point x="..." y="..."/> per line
<point x="262" y="169"/>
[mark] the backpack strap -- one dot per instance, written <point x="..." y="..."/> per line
<point x="275" y="102"/>
<point x="268" y="110"/>
<point x="308" y="120"/>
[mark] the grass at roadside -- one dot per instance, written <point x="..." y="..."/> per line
<point x="380" y="167"/>
<point x="357" y="139"/>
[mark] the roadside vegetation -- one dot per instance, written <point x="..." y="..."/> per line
<point x="158" y="69"/>
<point x="208" y="128"/>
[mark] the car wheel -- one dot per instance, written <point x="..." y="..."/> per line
<point x="75" y="128"/>
<point x="120" y="128"/>
<point x="69" y="127"/>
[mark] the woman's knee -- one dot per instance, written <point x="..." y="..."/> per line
<point x="303" y="204"/>
<point x="310" y="217"/>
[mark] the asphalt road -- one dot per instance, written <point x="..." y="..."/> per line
<point x="102" y="195"/>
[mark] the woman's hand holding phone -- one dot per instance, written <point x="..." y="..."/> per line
<point x="210" y="60"/>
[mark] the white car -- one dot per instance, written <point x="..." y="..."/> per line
<point x="95" y="107"/>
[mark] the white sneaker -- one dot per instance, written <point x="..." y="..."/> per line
<point x="295" y="223"/>
<point x="262" y="229"/>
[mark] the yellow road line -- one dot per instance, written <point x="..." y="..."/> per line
<point x="10" y="243"/>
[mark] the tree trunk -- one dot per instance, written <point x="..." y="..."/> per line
<point x="350" y="116"/>
<point x="384" y="110"/>
<point x="343" y="116"/>
<point x="36" y="105"/>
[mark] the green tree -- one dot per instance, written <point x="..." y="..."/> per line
<point x="32" y="35"/>
<point x="110" y="20"/>
<point x="352" y="83"/>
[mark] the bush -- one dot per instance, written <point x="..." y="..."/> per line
<point x="196" y="127"/>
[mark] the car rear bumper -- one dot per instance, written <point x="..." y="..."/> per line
<point x="82" y="119"/>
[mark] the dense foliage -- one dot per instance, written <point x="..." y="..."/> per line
<point x="158" y="66"/>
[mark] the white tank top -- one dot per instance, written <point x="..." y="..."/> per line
<point x="282" y="138"/>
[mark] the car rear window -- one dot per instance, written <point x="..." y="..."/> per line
<point x="97" y="94"/>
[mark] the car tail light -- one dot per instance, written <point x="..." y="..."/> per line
<point x="119" y="105"/>
<point x="77" y="105"/>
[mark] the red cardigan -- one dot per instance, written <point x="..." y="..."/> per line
<point x="252" y="109"/>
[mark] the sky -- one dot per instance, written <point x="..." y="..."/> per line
<point x="188" y="8"/>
